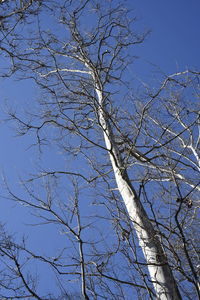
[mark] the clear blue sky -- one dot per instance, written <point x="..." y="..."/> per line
<point x="174" y="41"/>
<point x="173" y="45"/>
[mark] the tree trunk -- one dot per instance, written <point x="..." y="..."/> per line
<point x="160" y="272"/>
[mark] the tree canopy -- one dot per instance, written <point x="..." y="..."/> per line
<point x="120" y="201"/>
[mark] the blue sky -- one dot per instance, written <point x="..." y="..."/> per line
<point x="173" y="45"/>
<point x="174" y="40"/>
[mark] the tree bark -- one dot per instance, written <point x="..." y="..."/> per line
<point x="159" y="269"/>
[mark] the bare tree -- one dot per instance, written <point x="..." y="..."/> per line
<point x="127" y="147"/>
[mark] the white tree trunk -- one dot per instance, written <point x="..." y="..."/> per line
<point x="160" y="272"/>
